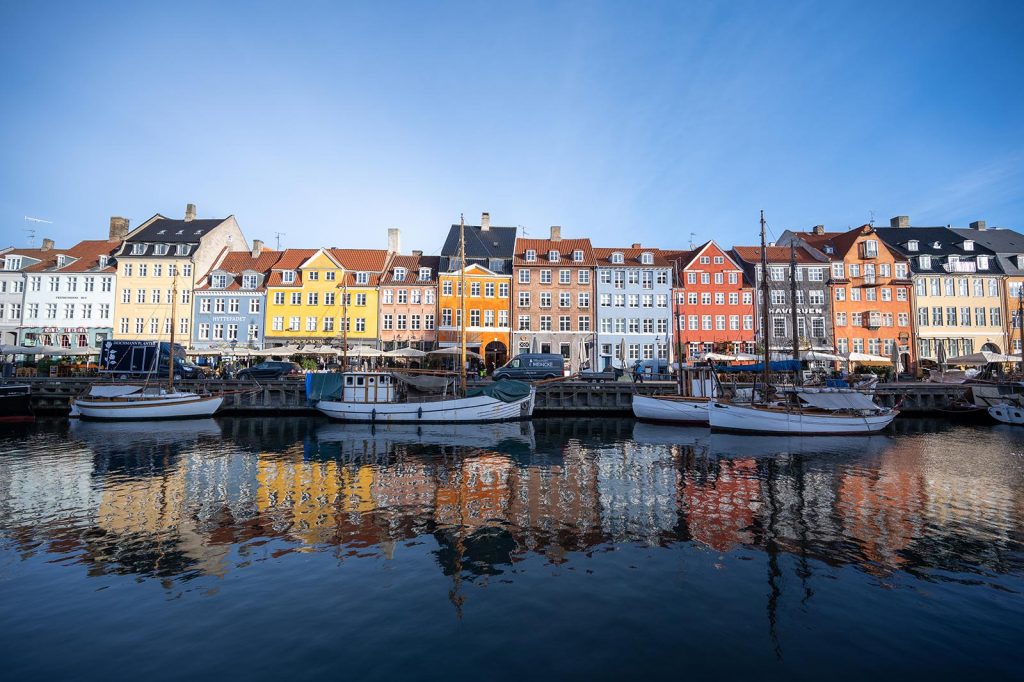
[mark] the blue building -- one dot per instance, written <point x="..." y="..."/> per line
<point x="634" y="291"/>
<point x="230" y="301"/>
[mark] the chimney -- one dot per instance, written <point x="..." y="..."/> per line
<point x="118" y="229"/>
<point x="899" y="221"/>
<point x="636" y="245"/>
<point x="394" y="240"/>
<point x="190" y="213"/>
<point x="485" y="222"/>
<point x="257" y="248"/>
<point x="818" y="229"/>
<point x="978" y="225"/>
<point x="47" y="245"/>
<point x="417" y="253"/>
<point x="556" y="233"/>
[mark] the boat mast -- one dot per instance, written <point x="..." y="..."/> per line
<point x="170" y="351"/>
<point x="1020" y="322"/>
<point x="792" y="307"/>
<point x="462" y="301"/>
<point x="675" y="322"/>
<point x="344" y="319"/>
<point x="764" y="310"/>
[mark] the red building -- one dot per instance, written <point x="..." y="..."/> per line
<point x="714" y="304"/>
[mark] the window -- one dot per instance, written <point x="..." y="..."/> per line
<point x="995" y="317"/>
<point x="361" y="278"/>
<point x="818" y="327"/>
<point x="399" y="275"/>
<point x="249" y="281"/>
<point x="777" y="297"/>
<point x="937" y="316"/>
<point x="502" y="290"/>
<point x="778" y="326"/>
<point x="965" y="317"/>
<point x="254" y="305"/>
<point x="564" y="324"/>
<point x="816" y="297"/>
<point x="388" y="322"/>
<point x="474" y="291"/>
<point x="181" y="250"/>
<point x="553" y="256"/>
<point x="816" y="275"/>
<point x="296" y="298"/>
<point x="912" y="245"/>
<point x="564" y="299"/>
<point x="870" y="248"/>
<point x="424" y="274"/>
<point x="312" y="275"/>
<point x="545" y="323"/>
<point x="778" y="274"/>
<point x="524" y="299"/>
<point x="545" y="277"/>
<point x="232" y="305"/>
<point x="312" y="298"/>
<point x="329" y="275"/>
<point x="204" y="331"/>
<point x="854" y="294"/>
<point x="531" y="256"/>
<point x="924" y="262"/>
<point x="428" y="321"/>
<point x="979" y="317"/>
<point x="565" y="276"/>
<point x="617" y="258"/>
<point x="583" y="276"/>
<point x="288" y="276"/>
<point x="646" y="258"/>
<point x="886" y="294"/>
<point x="545" y="299"/>
<point x="204" y="305"/>
<point x="278" y="298"/>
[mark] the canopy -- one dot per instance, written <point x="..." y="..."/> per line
<point x="113" y="391"/>
<point x="283" y="351"/>
<point x="774" y="366"/>
<point x="981" y="358"/>
<point x="424" y="382"/>
<point x="866" y="357"/>
<point x="719" y="356"/>
<point x="453" y="351"/>
<point x="837" y="399"/>
<point x="813" y="355"/>
<point x="404" y="353"/>
<point x="505" y="391"/>
<point x="363" y="352"/>
<point x="16" y="350"/>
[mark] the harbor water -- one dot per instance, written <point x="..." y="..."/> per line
<point x="560" y="548"/>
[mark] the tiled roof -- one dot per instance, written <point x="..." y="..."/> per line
<point x="565" y="248"/>
<point x="290" y="259"/>
<point x="413" y="265"/>
<point x="85" y="257"/>
<point x="361" y="260"/>
<point x="631" y="257"/>
<point x="776" y="254"/>
<point x="35" y="254"/>
<point x="176" y="231"/>
<point x="239" y="261"/>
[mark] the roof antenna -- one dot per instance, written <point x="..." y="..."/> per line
<point x="692" y="245"/>
<point x="872" y="221"/>
<point x="31" y="230"/>
<point x="279" y="235"/>
<point x="523" y="228"/>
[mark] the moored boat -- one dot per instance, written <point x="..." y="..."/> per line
<point x="671" y="409"/>
<point x="15" y="403"/>
<point x="1007" y="414"/>
<point x="815" y="413"/>
<point x="125" y="403"/>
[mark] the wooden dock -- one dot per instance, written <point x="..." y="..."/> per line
<point x="53" y="396"/>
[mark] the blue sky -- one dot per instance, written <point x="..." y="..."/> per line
<point x="628" y="121"/>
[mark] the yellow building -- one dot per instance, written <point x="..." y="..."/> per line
<point x="162" y="255"/>
<point x="324" y="296"/>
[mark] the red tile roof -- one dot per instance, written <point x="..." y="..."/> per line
<point x="776" y="254"/>
<point x="413" y="265"/>
<point x="565" y="248"/>
<point x="86" y="254"/>
<point x="237" y="262"/>
<point x="841" y="242"/>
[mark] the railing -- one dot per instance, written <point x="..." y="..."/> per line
<point x="960" y="266"/>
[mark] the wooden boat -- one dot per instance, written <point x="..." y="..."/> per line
<point x="15" y="403"/>
<point x="124" y="403"/>
<point x="372" y="397"/>
<point x="697" y="387"/>
<point x="1007" y="414"/>
<point x="821" y="412"/>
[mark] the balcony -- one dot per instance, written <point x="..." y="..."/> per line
<point x="873" y="320"/>
<point x="960" y="266"/>
<point x="867" y="281"/>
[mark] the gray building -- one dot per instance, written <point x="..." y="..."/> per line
<point x="813" y="299"/>
<point x="231" y="300"/>
<point x="634" y="289"/>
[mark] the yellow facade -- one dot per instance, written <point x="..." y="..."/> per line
<point x="964" y="313"/>
<point x="322" y="293"/>
<point x="142" y="308"/>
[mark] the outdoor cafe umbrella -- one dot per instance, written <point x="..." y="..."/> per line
<point x="406" y="352"/>
<point x="897" y="365"/>
<point x="363" y="352"/>
<point x="16" y="350"/>
<point x="454" y="351"/>
<point x="854" y="356"/>
<point x="940" y="355"/>
<point x="981" y="358"/>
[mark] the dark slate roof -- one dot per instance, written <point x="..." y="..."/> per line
<point x="950" y="243"/>
<point x="167" y="230"/>
<point x="497" y="242"/>
<point x="1007" y="244"/>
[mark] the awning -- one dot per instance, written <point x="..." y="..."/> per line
<point x="837" y="399"/>
<point x="404" y="352"/>
<point x="866" y="357"/>
<point x="981" y="358"/>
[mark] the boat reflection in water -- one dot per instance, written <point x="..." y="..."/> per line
<point x="344" y="438"/>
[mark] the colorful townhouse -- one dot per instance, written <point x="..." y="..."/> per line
<point x="633" y="289"/>
<point x="69" y="296"/>
<point x="231" y="300"/>
<point x="553" y="298"/>
<point x="812" y="302"/>
<point x="408" y="302"/>
<point x="958" y="297"/>
<point x="488" y="277"/>
<point x="870" y="289"/>
<point x="713" y="303"/>
<point x="1008" y="247"/>
<point x="12" y="287"/>
<point x="325" y="296"/>
<point x="159" y="257"/>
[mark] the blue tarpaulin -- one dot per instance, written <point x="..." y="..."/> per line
<point x="773" y="366"/>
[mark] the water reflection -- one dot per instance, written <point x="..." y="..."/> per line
<point x="184" y="500"/>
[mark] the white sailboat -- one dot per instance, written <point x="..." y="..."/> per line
<point x="803" y="411"/>
<point x="135" y="403"/>
<point x="372" y="396"/>
<point x="690" y="407"/>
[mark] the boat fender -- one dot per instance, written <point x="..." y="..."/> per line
<point x="419" y="413"/>
<point x="373" y="414"/>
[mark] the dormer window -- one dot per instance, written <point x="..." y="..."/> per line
<point x="182" y="250"/>
<point x="424" y="273"/>
<point x="936" y="245"/>
<point x="983" y="262"/>
<point x="362" y="278"/>
<point x="1020" y="262"/>
<point x="647" y="258"/>
<point x="250" y="281"/>
<point x="968" y="245"/>
<point x="924" y="262"/>
<point x="912" y="245"/>
<point x="618" y="258"/>
<point x="180" y="232"/>
<point x="138" y="249"/>
<point x="62" y="261"/>
<point x="552" y="256"/>
<point x="103" y="261"/>
<point x="12" y="263"/>
<point x="220" y="281"/>
<point x="288" y="276"/>
<point x="159" y="249"/>
<point x="829" y="250"/>
<point x="953" y="260"/>
<point x="577" y="256"/>
<point x="870" y="248"/>
<point x="399" y="274"/>
<point x="531" y="256"/>
<point x="162" y="232"/>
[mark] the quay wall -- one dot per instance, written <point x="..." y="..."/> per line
<point x="53" y="396"/>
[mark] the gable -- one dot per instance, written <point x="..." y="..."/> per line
<point x="321" y="260"/>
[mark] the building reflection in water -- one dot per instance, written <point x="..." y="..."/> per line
<point x="178" y="501"/>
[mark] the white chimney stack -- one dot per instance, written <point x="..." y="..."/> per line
<point x="190" y="213"/>
<point x="485" y="222"/>
<point x="556" y="233"/>
<point x="394" y="240"/>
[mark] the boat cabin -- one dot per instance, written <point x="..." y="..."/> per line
<point x="367" y="387"/>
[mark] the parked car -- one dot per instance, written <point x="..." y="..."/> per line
<point x="271" y="369"/>
<point x="531" y="366"/>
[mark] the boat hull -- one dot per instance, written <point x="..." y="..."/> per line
<point x="15" y="404"/>
<point x="1007" y="414"/>
<point x="671" y="410"/>
<point x="173" y="406"/>
<point x="457" y="410"/>
<point x="752" y="419"/>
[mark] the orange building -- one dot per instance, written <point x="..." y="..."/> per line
<point x="487" y="311"/>
<point x="870" y="287"/>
